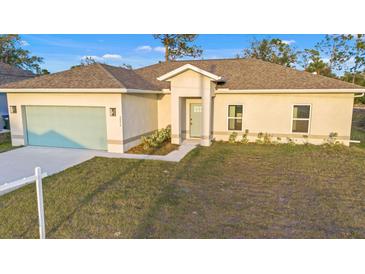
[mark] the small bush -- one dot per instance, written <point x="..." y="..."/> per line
<point x="157" y="138"/>
<point x="305" y="137"/>
<point x="290" y="141"/>
<point x="332" y="139"/>
<point x="267" y="139"/>
<point x="232" y="138"/>
<point x="244" y="139"/>
<point x="259" y="139"/>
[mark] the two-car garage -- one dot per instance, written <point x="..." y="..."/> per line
<point x="65" y="126"/>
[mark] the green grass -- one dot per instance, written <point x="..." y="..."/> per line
<point x="5" y="142"/>
<point x="224" y="191"/>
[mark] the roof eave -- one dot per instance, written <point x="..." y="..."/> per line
<point x="287" y="91"/>
<point x="79" y="90"/>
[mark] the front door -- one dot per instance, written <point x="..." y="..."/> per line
<point x="195" y="120"/>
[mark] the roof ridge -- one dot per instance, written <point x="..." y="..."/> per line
<point x="110" y="74"/>
<point x="194" y="60"/>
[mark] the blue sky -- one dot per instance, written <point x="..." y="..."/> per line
<point x="60" y="52"/>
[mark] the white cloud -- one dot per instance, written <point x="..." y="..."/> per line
<point x="24" y="43"/>
<point x="288" y="42"/>
<point x="112" y="56"/>
<point x="159" y="49"/>
<point x="145" y="48"/>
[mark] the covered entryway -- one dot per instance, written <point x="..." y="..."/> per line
<point x="66" y="126"/>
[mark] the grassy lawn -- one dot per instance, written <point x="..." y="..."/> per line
<point x="164" y="149"/>
<point x="224" y="191"/>
<point x="5" y="142"/>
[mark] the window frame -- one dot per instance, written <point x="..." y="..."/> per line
<point x="228" y="117"/>
<point x="301" y="119"/>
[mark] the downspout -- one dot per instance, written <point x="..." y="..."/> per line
<point x="360" y="95"/>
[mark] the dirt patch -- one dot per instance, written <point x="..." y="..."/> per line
<point x="164" y="149"/>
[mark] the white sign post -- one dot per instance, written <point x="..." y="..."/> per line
<point x="42" y="226"/>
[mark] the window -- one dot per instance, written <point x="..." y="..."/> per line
<point x="235" y="113"/>
<point x="301" y="117"/>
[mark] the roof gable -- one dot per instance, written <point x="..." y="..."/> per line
<point x="186" y="67"/>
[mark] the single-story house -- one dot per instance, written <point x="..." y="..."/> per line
<point x="10" y="74"/>
<point x="110" y="108"/>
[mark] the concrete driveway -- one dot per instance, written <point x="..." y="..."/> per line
<point x="20" y="163"/>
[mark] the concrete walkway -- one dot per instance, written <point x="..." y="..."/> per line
<point x="20" y="163"/>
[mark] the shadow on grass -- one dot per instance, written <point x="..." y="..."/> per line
<point x="173" y="193"/>
<point x="89" y="197"/>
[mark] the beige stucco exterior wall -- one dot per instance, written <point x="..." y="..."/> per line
<point x="190" y="84"/>
<point x="114" y="129"/>
<point x="164" y="110"/>
<point x="272" y="113"/>
<point x="140" y="117"/>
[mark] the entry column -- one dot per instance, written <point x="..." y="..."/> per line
<point x="175" y="119"/>
<point x="207" y="116"/>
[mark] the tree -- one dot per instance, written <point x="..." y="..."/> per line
<point x="358" y="79"/>
<point x="126" y="66"/>
<point x="88" y="60"/>
<point x="273" y="50"/>
<point x="179" y="45"/>
<point x="336" y="48"/>
<point x="358" y="54"/>
<point x="44" y="72"/>
<point x="312" y="62"/>
<point x="12" y="53"/>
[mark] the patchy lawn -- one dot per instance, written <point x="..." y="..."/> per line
<point x="224" y="191"/>
<point x="164" y="149"/>
<point x="5" y="142"/>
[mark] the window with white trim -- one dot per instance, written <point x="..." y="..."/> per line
<point x="235" y="114"/>
<point x="301" y="118"/>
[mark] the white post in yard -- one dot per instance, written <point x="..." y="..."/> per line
<point x="42" y="229"/>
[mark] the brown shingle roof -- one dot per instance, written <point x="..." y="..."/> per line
<point x="10" y="74"/>
<point x="92" y="76"/>
<point x="248" y="74"/>
<point x="237" y="73"/>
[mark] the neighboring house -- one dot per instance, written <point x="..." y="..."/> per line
<point x="10" y="74"/>
<point x="110" y="108"/>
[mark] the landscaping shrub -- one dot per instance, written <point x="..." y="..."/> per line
<point x="290" y="141"/>
<point x="332" y="139"/>
<point x="244" y="139"/>
<point x="232" y="138"/>
<point x="157" y="138"/>
<point x="267" y="139"/>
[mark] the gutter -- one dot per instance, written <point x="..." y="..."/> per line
<point x="359" y="95"/>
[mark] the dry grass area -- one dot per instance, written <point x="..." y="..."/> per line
<point x="224" y="191"/>
<point x="164" y="149"/>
